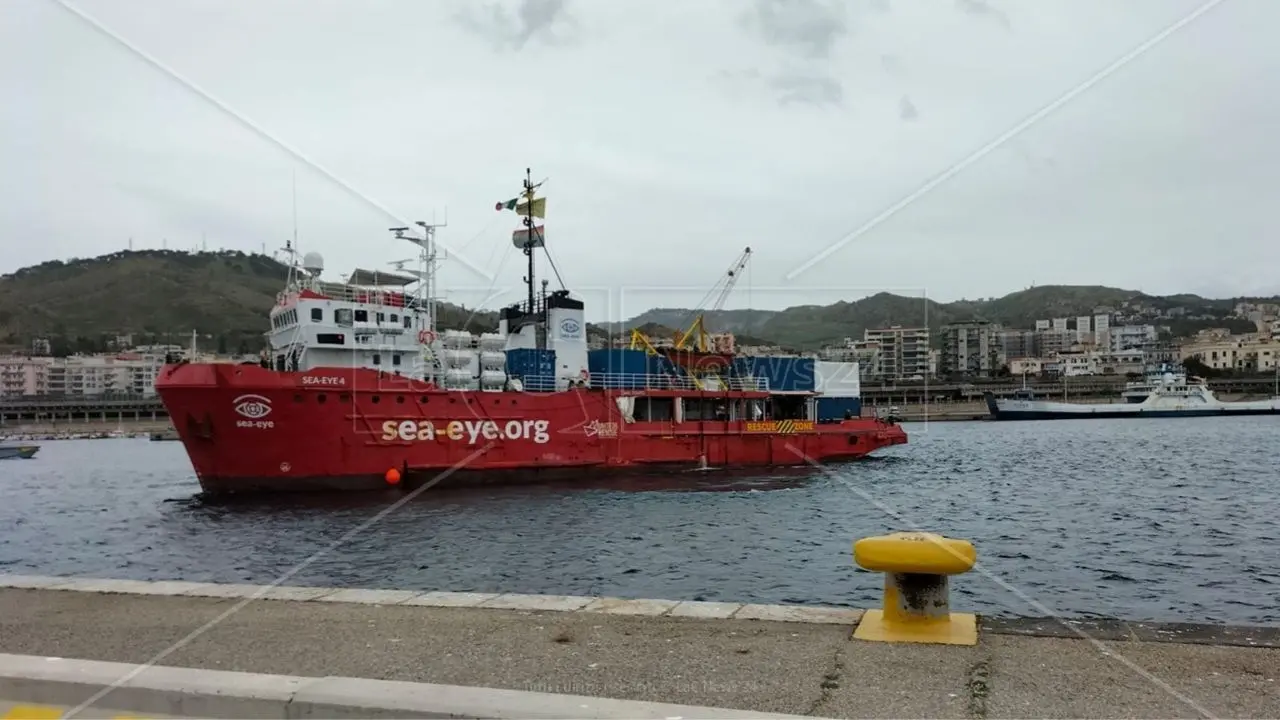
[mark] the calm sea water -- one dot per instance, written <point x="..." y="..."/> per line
<point x="1170" y="520"/>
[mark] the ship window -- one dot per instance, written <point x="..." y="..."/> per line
<point x="344" y="397"/>
<point x="400" y="399"/>
<point x="342" y="316"/>
<point x="394" y="318"/>
<point x="321" y="398"/>
<point x="422" y="399"/>
<point x="382" y="317"/>
<point x="331" y="338"/>
<point x="375" y="399"/>
<point x="317" y="314"/>
<point x="408" y="321"/>
<point x="377" y="359"/>
<point x="362" y="316"/>
<point x="395" y="359"/>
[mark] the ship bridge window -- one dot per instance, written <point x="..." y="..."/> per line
<point x="342" y="316"/>
<point x="395" y="319"/>
<point x="362" y="316"/>
<point x="331" y="338"/>
<point x="382" y="317"/>
<point x="317" y="314"/>
<point x="408" y="321"/>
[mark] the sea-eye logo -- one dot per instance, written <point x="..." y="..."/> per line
<point x="570" y="327"/>
<point x="254" y="407"/>
<point x="466" y="431"/>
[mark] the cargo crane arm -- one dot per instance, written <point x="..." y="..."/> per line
<point x="720" y="292"/>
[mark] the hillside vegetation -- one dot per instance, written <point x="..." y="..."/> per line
<point x="811" y="326"/>
<point x="157" y="296"/>
<point x="162" y="296"/>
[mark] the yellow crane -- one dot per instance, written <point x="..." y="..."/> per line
<point x="697" y="331"/>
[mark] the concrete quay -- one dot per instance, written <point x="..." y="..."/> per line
<point x="756" y="658"/>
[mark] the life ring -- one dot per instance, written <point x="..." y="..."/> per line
<point x="426" y="337"/>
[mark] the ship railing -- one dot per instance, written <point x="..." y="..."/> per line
<point x="651" y="381"/>
<point x="366" y="295"/>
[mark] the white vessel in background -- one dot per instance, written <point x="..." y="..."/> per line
<point x="1164" y="394"/>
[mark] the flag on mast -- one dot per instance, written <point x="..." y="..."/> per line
<point x="538" y="208"/>
<point x="529" y="237"/>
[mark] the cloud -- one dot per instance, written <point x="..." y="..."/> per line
<point x="907" y="109"/>
<point x="807" y="89"/>
<point x="808" y="33"/>
<point x="540" y="19"/>
<point x="810" y="28"/>
<point x="984" y="9"/>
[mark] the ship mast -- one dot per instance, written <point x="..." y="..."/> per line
<point x="426" y="272"/>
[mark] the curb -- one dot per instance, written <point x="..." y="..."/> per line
<point x="411" y="598"/>
<point x="173" y="691"/>
<point x="1106" y="629"/>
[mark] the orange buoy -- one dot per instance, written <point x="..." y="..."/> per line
<point x="393" y="477"/>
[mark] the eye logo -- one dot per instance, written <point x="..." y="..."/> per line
<point x="254" y="407"/>
<point x="570" y="327"/>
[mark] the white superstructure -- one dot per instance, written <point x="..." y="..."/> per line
<point x="1171" y="395"/>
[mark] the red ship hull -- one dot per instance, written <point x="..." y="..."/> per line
<point x="248" y="429"/>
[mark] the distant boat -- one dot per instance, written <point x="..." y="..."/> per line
<point x="25" y="452"/>
<point x="1168" y="394"/>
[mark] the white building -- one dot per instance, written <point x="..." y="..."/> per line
<point x="1124" y="337"/>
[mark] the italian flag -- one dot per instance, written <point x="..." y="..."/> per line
<point x="508" y="205"/>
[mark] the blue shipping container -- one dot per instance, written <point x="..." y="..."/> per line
<point x="834" y="408"/>
<point x="618" y="368"/>
<point x="530" y="362"/>
<point x="629" y="362"/>
<point x="784" y="374"/>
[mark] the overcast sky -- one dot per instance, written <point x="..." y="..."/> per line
<point x="672" y="133"/>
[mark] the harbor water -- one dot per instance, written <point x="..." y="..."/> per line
<point x="1163" y="520"/>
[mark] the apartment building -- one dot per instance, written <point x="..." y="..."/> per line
<point x="132" y="373"/>
<point x="865" y="353"/>
<point x="1243" y="354"/>
<point x="23" y="376"/>
<point x="904" y="351"/>
<point x="971" y="349"/>
<point x="1124" y="337"/>
<point x="1075" y="363"/>
<point x="1048" y="342"/>
<point x="1013" y="344"/>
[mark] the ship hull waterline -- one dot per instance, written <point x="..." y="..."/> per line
<point x="251" y="430"/>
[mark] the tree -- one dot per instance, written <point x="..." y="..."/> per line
<point x="1194" y="366"/>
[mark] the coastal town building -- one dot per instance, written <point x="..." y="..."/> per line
<point x="1239" y="353"/>
<point x="131" y="372"/>
<point x="904" y="352"/>
<point x="971" y="349"/>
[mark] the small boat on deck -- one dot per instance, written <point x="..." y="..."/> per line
<point x="23" y="452"/>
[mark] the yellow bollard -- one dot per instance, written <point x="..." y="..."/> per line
<point x="916" y="608"/>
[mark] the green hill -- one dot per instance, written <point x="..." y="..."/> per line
<point x="162" y="296"/>
<point x="811" y="326"/>
<point x="156" y="296"/>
